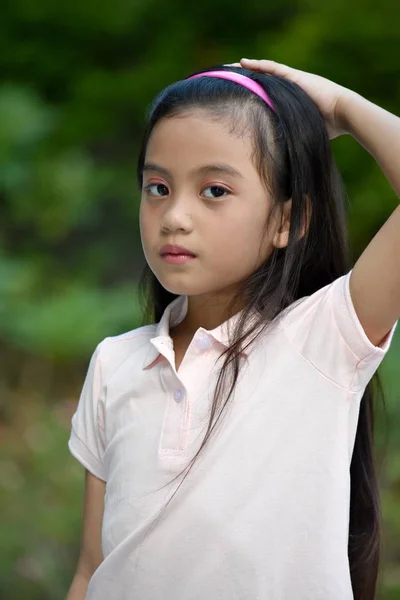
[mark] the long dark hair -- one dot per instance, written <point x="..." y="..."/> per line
<point x="293" y="156"/>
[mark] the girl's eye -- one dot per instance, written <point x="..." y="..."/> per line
<point x="160" y="190"/>
<point x="157" y="189"/>
<point x="217" y="191"/>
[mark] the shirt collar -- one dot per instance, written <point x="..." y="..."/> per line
<point x="161" y="343"/>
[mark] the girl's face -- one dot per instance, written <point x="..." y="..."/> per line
<point x="202" y="191"/>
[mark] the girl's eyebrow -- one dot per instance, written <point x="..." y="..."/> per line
<point x="205" y="169"/>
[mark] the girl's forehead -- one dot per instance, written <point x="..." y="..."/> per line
<point x="191" y="137"/>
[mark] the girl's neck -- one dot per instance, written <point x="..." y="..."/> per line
<point x="208" y="312"/>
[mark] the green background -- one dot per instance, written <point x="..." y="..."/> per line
<point x="76" y="80"/>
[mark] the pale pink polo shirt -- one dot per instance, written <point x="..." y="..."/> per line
<point x="264" y="514"/>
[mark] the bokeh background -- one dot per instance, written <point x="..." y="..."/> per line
<point x="77" y="77"/>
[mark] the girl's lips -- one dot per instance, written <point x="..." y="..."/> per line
<point x="175" y="249"/>
<point x="177" y="259"/>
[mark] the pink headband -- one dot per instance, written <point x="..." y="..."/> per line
<point x="250" y="84"/>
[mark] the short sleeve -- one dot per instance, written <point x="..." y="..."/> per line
<point x="326" y="331"/>
<point x="86" y="442"/>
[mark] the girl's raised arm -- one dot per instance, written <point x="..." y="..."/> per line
<point x="375" y="279"/>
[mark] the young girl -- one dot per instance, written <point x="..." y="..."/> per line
<point x="252" y="388"/>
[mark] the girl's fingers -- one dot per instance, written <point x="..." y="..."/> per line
<point x="267" y="66"/>
<point x="252" y="64"/>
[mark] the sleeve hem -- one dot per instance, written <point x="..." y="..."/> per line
<point x="352" y="330"/>
<point x="79" y="450"/>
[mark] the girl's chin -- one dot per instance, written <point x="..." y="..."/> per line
<point x="182" y="288"/>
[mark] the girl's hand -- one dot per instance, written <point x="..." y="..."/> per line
<point x="329" y="97"/>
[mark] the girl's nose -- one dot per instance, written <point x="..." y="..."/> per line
<point x="177" y="217"/>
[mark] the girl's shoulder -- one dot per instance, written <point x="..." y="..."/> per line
<point x="112" y="351"/>
<point x="325" y="330"/>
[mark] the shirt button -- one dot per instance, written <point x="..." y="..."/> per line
<point x="204" y="342"/>
<point x="178" y="395"/>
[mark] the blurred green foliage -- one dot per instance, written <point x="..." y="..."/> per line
<point x="77" y="78"/>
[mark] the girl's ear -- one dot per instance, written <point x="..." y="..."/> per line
<point x="281" y="236"/>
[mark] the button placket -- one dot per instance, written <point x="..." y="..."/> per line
<point x="173" y="432"/>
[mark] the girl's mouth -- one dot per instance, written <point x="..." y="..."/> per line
<point x="177" y="259"/>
